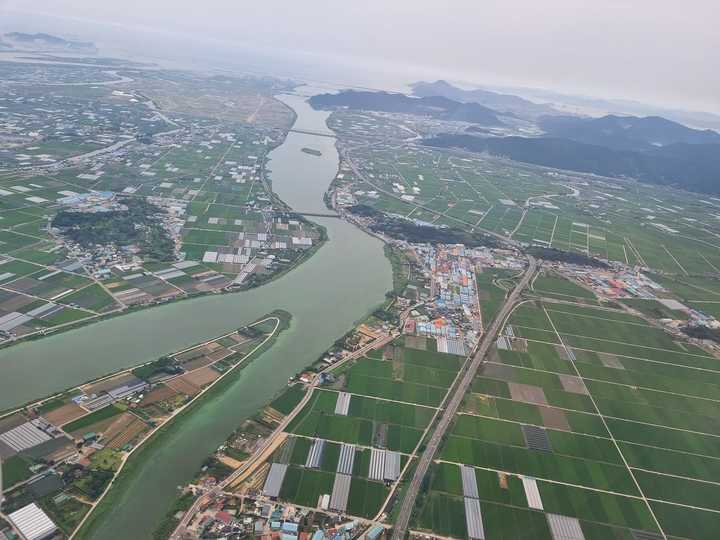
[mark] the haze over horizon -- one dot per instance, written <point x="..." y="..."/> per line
<point x="575" y="49"/>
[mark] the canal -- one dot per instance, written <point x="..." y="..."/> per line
<point x="341" y="283"/>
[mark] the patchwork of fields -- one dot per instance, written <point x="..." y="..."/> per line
<point x="207" y="178"/>
<point x="376" y="412"/>
<point x="628" y="222"/>
<point x="586" y="413"/>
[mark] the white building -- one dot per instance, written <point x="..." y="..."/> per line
<point x="33" y="523"/>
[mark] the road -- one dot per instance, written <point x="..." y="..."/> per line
<point x="259" y="456"/>
<point x="457" y="393"/>
<point x="470" y="368"/>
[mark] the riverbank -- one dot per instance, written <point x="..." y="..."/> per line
<point x="304" y="257"/>
<point x="343" y="281"/>
<point x="253" y="281"/>
<point x="50" y="332"/>
<point x="277" y="415"/>
<point x="131" y="462"/>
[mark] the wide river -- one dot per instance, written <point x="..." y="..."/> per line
<point x="340" y="284"/>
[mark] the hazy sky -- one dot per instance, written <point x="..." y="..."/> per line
<point x="657" y="51"/>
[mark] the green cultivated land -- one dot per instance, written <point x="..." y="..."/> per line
<point x="630" y="413"/>
<point x="205" y="166"/>
<point x="92" y="418"/>
<point x="657" y="398"/>
<point x="375" y="419"/>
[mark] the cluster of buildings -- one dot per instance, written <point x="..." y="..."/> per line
<point x="32" y="523"/>
<point x="50" y="126"/>
<point x="452" y="312"/>
<point x="239" y="517"/>
<point x="90" y="202"/>
<point x="71" y="446"/>
<point x="99" y="258"/>
<point x="620" y="282"/>
<point x="616" y="282"/>
<point x="451" y="308"/>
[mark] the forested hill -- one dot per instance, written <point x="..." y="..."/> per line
<point x="694" y="167"/>
<point x="436" y="107"/>
<point x="625" y="132"/>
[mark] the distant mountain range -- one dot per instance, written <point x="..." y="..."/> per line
<point x="593" y="106"/>
<point x="651" y="149"/>
<point x="438" y="107"/>
<point x="625" y="132"/>
<point x="694" y="167"/>
<point x="507" y="103"/>
<point x="45" y="42"/>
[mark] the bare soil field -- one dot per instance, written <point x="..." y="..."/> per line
<point x="201" y="377"/>
<point x="103" y="386"/>
<point x="183" y="386"/>
<point x="130" y="433"/>
<point x="161" y="393"/>
<point x="63" y="415"/>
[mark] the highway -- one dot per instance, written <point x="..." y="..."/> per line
<point x="470" y="368"/>
<point x="456" y="394"/>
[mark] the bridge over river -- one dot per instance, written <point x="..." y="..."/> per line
<point x="351" y="267"/>
<point x="313" y="132"/>
<point x="308" y="214"/>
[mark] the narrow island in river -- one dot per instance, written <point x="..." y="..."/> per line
<point x="92" y="436"/>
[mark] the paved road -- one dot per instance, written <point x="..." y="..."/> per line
<point x="458" y="392"/>
<point x="259" y="455"/>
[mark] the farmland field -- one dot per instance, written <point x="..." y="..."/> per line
<point x="391" y="399"/>
<point x="622" y="433"/>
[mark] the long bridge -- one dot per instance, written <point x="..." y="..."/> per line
<point x="291" y="213"/>
<point x="310" y="132"/>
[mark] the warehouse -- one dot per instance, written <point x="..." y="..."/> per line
<point x="469" y="482"/>
<point x="33" y="523"/>
<point x="98" y="402"/>
<point x="377" y="464"/>
<point x="12" y="320"/>
<point x="532" y="494"/>
<point x="128" y="388"/>
<point x="392" y="466"/>
<point x="24" y="436"/>
<point x="473" y="519"/>
<point x="451" y="346"/>
<point x="564" y="527"/>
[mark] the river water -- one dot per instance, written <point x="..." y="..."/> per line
<point x="341" y="283"/>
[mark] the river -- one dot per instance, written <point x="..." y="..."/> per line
<point x="341" y="283"/>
